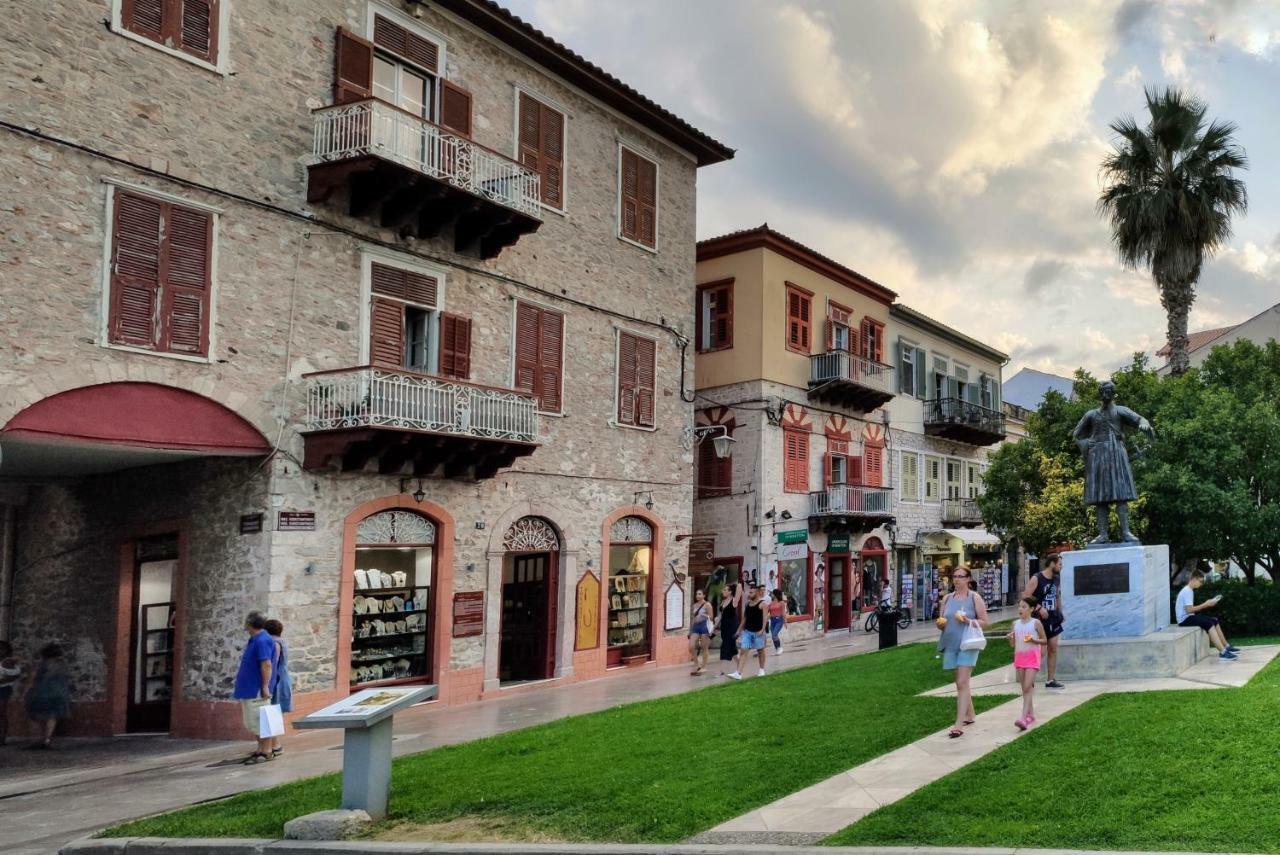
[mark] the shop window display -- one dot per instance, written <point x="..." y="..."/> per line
<point x="630" y="571"/>
<point x="794" y="575"/>
<point x="391" y="620"/>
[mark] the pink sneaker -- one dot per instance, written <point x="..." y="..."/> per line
<point x="1021" y="724"/>
<point x="1031" y="719"/>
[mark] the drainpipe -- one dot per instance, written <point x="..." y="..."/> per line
<point x="8" y="532"/>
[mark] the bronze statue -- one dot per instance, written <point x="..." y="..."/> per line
<point x="1108" y="477"/>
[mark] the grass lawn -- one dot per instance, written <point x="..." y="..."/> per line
<point x="1183" y="770"/>
<point x="656" y="771"/>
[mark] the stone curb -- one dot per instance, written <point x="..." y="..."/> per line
<point x="232" y="846"/>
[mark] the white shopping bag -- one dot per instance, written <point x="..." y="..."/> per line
<point x="270" y="721"/>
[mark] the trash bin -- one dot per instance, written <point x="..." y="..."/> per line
<point x="888" y="620"/>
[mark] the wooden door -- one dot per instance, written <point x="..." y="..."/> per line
<point x="839" y="595"/>
<point x="525" y="640"/>
<point x="153" y="633"/>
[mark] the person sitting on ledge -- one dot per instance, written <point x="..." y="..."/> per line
<point x="1188" y="614"/>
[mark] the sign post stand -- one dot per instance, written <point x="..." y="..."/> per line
<point x="366" y="746"/>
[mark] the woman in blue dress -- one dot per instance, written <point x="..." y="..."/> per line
<point x="961" y="608"/>
<point x="281" y="680"/>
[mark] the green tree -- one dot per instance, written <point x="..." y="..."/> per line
<point x="1170" y="193"/>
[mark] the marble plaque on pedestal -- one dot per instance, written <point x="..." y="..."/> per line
<point x="1116" y="591"/>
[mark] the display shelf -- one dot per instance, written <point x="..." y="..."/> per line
<point x="365" y="660"/>
<point x="364" y="592"/>
<point x="384" y="614"/>
<point x="368" y="638"/>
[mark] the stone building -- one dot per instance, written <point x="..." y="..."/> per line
<point x="369" y="315"/>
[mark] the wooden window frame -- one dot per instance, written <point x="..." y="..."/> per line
<point x="563" y="210"/>
<point x="369" y="257"/>
<point x="806" y="325"/>
<point x="564" y="333"/>
<point x="879" y="329"/>
<point x="792" y="481"/>
<point x="657" y="197"/>
<point x="720" y="284"/>
<point x="114" y="186"/>
<point x="221" y="39"/>
<point x="616" y="420"/>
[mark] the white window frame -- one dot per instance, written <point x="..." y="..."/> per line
<point x="221" y="67"/>
<point x="564" y="366"/>
<point x="941" y="365"/>
<point x="972" y="485"/>
<point x="639" y="151"/>
<point x="914" y="499"/>
<point x="618" y="330"/>
<point x="946" y="480"/>
<point x="368" y="255"/>
<point x="556" y="105"/>
<point x="990" y="391"/>
<point x="104" y="313"/>
<point x="904" y="345"/>
<point x="926" y="459"/>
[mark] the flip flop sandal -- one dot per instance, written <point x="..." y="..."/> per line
<point x="255" y="758"/>
<point x="968" y="722"/>
<point x="276" y="752"/>
<point x="955" y="733"/>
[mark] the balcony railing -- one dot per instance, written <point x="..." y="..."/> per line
<point x="372" y="127"/>
<point x="851" y="501"/>
<point x="846" y="379"/>
<point x="961" y="512"/>
<point x="962" y="420"/>
<point x="378" y="397"/>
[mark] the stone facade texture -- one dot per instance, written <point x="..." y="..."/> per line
<point x="287" y="301"/>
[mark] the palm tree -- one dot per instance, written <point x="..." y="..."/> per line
<point x="1169" y="194"/>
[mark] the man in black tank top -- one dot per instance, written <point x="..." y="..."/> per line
<point x="1046" y="587"/>
<point x="753" y="634"/>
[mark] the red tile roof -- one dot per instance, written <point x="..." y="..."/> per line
<point x="1197" y="340"/>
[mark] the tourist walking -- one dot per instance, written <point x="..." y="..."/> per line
<point x="48" y="699"/>
<point x="961" y="609"/>
<point x="10" y="673"/>
<point x="253" y="683"/>
<point x="777" y="618"/>
<point x="1187" y="613"/>
<point x="1028" y="639"/>
<point x="752" y="636"/>
<point x="728" y="622"/>
<point x="1046" y="588"/>
<point x="700" y="633"/>
<point x="281" y="679"/>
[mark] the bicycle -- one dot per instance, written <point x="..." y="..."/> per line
<point x="872" y="623"/>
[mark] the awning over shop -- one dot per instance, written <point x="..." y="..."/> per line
<point x="973" y="536"/>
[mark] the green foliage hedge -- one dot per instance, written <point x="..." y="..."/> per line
<point x="1245" y="609"/>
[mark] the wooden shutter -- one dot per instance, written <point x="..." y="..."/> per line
<point x="199" y="29"/>
<point x="722" y="317"/>
<point x="526" y="371"/>
<point x="413" y="47"/>
<point x="184" y="317"/>
<point x="542" y="147"/>
<point x="708" y="471"/>
<point x="386" y="333"/>
<point x="144" y="17"/>
<point x="798" y="304"/>
<point x="873" y="465"/>
<point x="854" y="470"/>
<point x="353" y="68"/>
<point x="630" y="179"/>
<point x="550" y="347"/>
<point x="646" y="370"/>
<point x="404" y="284"/>
<point x="626" y="379"/>
<point x="455" y="108"/>
<point x="795" y="470"/>
<point x="639" y="195"/>
<point x="137" y="245"/>
<point x="455" y="346"/>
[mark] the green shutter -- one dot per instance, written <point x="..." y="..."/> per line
<point x="922" y="374"/>
<point x="898" y="350"/>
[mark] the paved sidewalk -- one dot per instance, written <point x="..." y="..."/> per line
<point x="828" y="806"/>
<point x="35" y="818"/>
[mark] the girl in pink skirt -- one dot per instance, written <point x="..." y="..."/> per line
<point x="1027" y="637"/>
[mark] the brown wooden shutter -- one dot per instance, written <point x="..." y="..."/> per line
<point x="184" y="316"/>
<point x="386" y="333"/>
<point x="529" y="125"/>
<point x="708" y="471"/>
<point x="455" y="108"/>
<point x="137" y="244"/>
<point x="630" y="180"/>
<point x="455" y="346"/>
<point x="646" y="370"/>
<point x="873" y="462"/>
<point x="199" y="28"/>
<point x="853" y="470"/>
<point x="353" y="68"/>
<point x="526" y="374"/>
<point x="647" y="203"/>
<point x="626" y="378"/>
<point x="403" y="285"/>
<point x="795" y="464"/>
<point x="551" y="338"/>
<point x="395" y="38"/>
<point x="551" y="156"/>
<point x="144" y="17"/>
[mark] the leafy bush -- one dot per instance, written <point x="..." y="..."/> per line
<point x="1245" y="609"/>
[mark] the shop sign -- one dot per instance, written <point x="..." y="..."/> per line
<point x="587" y="636"/>
<point x="296" y="521"/>
<point x="838" y="543"/>
<point x="793" y="551"/>
<point x="250" y="523"/>
<point x="798" y="535"/>
<point x="468" y="614"/>
<point x="702" y="552"/>
<point x="675" y="606"/>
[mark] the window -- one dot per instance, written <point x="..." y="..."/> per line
<point x="839" y="335"/>
<point x="715" y="474"/>
<point x="909" y="477"/>
<point x="541" y="147"/>
<point x="911" y="370"/>
<point x="160" y="275"/>
<point x="636" y="369"/>
<point x="932" y="478"/>
<point x="539" y="355"/>
<point x="954" y="476"/>
<point x="987" y="391"/>
<point x="841" y="469"/>
<point x="973" y="480"/>
<point x="405" y="323"/>
<point x="715" y="316"/>
<point x="187" y="27"/>
<point x="637" y="198"/>
<point x="795" y="461"/>
<point x="793" y="579"/>
<point x="941" y="381"/>
<point x="872" y="339"/>
<point x="838" y="470"/>
<point x="799" y="302"/>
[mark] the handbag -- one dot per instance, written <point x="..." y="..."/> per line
<point x="973" y="638"/>
<point x="270" y="721"/>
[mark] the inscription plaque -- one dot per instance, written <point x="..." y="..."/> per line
<point x="1101" y="579"/>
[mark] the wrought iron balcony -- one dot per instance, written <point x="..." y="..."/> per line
<point x="961" y="512"/>
<point x="850" y="507"/>
<point x="416" y="176"/>
<point x="962" y="421"/>
<point x="400" y="422"/>
<point x="844" y="379"/>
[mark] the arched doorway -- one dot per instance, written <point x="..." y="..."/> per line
<point x="629" y="590"/>
<point x="530" y="585"/>
<point x="875" y="571"/>
<point x="393" y="619"/>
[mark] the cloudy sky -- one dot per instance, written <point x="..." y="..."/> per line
<point x="949" y="148"/>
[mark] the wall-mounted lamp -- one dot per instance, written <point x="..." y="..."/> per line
<point x="773" y="512"/>
<point x="786" y="515"/>
<point x="718" y="434"/>
<point x="648" y="505"/>
<point x="418" y="494"/>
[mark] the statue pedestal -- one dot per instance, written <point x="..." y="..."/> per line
<point x="1117" y="602"/>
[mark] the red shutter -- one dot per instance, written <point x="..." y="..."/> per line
<point x="795" y="471"/>
<point x="550" y="347"/>
<point x="199" y="29"/>
<point x="626" y="378"/>
<point x="353" y="68"/>
<point x="455" y="108"/>
<point x="386" y="333"/>
<point x="874" y="465"/>
<point x="630" y="216"/>
<point x="646" y="370"/>
<point x="455" y="346"/>
<point x="184" y="317"/>
<point x="137" y="244"/>
<point x="551" y="156"/>
<point x="144" y="17"/>
<point x="854" y="468"/>
<point x="798" y="304"/>
<point x="829" y="469"/>
<point x="526" y="376"/>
